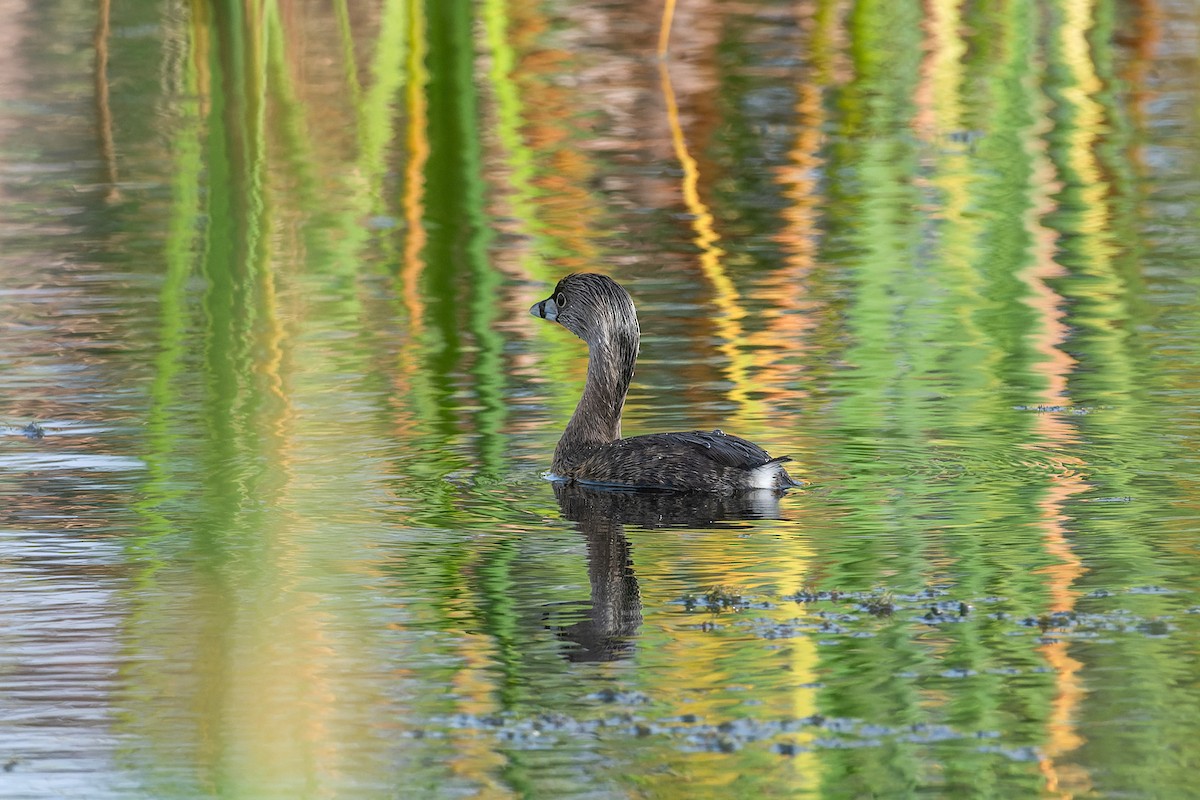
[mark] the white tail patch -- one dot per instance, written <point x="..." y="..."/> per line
<point x="770" y="475"/>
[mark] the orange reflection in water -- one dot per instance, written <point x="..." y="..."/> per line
<point x="1063" y="737"/>
<point x="725" y="294"/>
<point x="417" y="144"/>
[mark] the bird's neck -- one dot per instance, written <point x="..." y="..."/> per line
<point x="597" y="417"/>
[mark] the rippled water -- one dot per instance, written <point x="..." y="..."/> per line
<point x="274" y="419"/>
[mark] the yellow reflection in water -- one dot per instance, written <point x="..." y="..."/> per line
<point x="1069" y="43"/>
<point x="473" y="686"/>
<point x="664" y="32"/>
<point x="417" y="146"/>
<point x="794" y="569"/>
<point x="725" y="297"/>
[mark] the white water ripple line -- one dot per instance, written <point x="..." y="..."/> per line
<point x="91" y="462"/>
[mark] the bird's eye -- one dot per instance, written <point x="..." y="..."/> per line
<point x="561" y="300"/>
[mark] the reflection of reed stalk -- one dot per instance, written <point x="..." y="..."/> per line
<point x="104" y="122"/>
<point x="1082" y="117"/>
<point x="418" y="154"/>
<point x="725" y="293"/>
<point x="664" y="34"/>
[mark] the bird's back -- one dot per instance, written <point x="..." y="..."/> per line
<point x="692" y="460"/>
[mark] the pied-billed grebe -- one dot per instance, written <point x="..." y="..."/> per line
<point x="596" y="309"/>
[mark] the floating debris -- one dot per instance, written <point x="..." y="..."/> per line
<point x="812" y="596"/>
<point x="809" y="595"/>
<point x="1155" y="627"/>
<point x="31" y="431"/>
<point x="1084" y="625"/>
<point x="932" y="607"/>
<point x="788" y="748"/>
<point x="946" y="612"/>
<point x="1077" y="410"/>
<point x="881" y="605"/>
<point x="718" y="599"/>
<point x="622" y="698"/>
<point x="691" y="732"/>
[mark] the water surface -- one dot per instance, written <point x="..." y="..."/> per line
<point x="276" y="421"/>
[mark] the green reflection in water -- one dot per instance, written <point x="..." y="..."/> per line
<point x="1090" y="143"/>
<point x="458" y="282"/>
<point x="458" y="289"/>
<point x="150" y="641"/>
<point x="326" y="530"/>
<point x="904" y="396"/>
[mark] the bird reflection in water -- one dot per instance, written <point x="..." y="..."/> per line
<point x="610" y="624"/>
